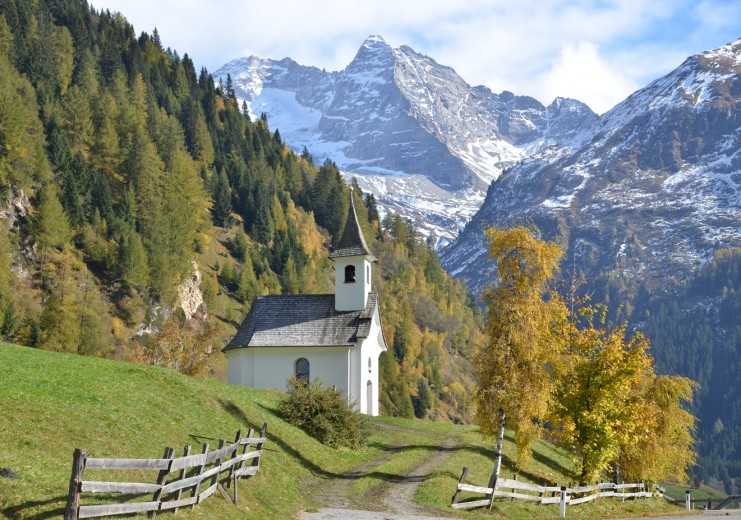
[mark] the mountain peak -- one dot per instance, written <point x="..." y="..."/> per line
<point x="374" y="54"/>
<point x="728" y="56"/>
<point x="374" y="39"/>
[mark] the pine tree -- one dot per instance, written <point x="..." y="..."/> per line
<point x="132" y="262"/>
<point x="6" y="275"/>
<point x="52" y="224"/>
<point x="22" y="155"/>
<point x="263" y="227"/>
<point x="222" y="201"/>
<point x="78" y="120"/>
<point x="6" y="37"/>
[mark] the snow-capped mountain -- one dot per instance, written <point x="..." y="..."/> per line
<point x="643" y="196"/>
<point x="411" y="130"/>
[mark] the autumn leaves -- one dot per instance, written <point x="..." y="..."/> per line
<point x="555" y="369"/>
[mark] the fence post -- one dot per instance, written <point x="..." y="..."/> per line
<point x="263" y="433"/>
<point x="162" y="478"/>
<point x="186" y="452"/>
<point x="457" y="490"/>
<point x="493" y="485"/>
<point x="710" y="504"/>
<point x="240" y="464"/>
<point x="75" y="484"/>
<point x="562" y="507"/>
<point x="200" y="470"/>
<point x="234" y="456"/>
<point x="513" y="489"/>
<point x="687" y="500"/>
<point x="232" y="468"/>
<point x="215" y="478"/>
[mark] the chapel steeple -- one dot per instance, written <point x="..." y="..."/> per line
<point x="353" y="266"/>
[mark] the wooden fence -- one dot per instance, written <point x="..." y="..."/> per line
<point x="565" y="496"/>
<point x="701" y="503"/>
<point x="177" y="483"/>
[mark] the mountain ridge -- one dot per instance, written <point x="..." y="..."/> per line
<point x="645" y="154"/>
<point x="402" y="123"/>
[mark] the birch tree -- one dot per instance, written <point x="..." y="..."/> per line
<point x="514" y="366"/>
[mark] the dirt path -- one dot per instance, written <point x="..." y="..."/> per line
<point x="394" y="502"/>
<point x="399" y="498"/>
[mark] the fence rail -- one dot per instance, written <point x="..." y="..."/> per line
<point x="175" y="477"/>
<point x="516" y="490"/>
<point x="708" y="503"/>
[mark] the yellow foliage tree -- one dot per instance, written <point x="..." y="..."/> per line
<point x="597" y="403"/>
<point x="512" y="367"/>
<point x="180" y="346"/>
<point x="611" y="409"/>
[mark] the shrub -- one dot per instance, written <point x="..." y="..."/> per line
<point x="323" y="413"/>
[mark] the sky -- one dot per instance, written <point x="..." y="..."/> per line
<point x="596" y="51"/>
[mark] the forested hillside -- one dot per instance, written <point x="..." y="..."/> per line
<point x="711" y="335"/>
<point x="131" y="182"/>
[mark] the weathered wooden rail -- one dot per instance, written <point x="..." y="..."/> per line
<point x="178" y="480"/>
<point x="707" y="504"/>
<point x="565" y="496"/>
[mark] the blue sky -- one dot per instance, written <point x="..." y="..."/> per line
<point x="596" y="51"/>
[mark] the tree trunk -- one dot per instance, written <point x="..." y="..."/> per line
<point x="498" y="465"/>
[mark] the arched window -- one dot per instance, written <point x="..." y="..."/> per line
<point x="350" y="274"/>
<point x="301" y="370"/>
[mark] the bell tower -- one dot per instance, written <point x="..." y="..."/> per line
<point x="353" y="262"/>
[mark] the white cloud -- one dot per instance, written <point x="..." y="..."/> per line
<point x="526" y="46"/>
<point x="581" y="73"/>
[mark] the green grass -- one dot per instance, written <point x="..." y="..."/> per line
<point x="677" y="492"/>
<point x="52" y="403"/>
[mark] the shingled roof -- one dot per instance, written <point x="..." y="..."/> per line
<point x="302" y="320"/>
<point x="352" y="242"/>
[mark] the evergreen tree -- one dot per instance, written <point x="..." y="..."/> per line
<point x="6" y="37"/>
<point x="263" y="226"/>
<point x="132" y="260"/>
<point x="6" y="274"/>
<point x="52" y="225"/>
<point x="22" y="155"/>
<point x="78" y="120"/>
<point x="222" y="201"/>
<point x="370" y="203"/>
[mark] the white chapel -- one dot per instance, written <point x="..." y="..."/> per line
<point x="336" y="337"/>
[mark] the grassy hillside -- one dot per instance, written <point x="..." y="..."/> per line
<point x="52" y="403"/>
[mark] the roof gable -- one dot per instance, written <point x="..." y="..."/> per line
<point x="302" y="320"/>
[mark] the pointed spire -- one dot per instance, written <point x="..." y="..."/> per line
<point x="352" y="242"/>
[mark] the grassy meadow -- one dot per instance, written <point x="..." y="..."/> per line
<point x="52" y="403"/>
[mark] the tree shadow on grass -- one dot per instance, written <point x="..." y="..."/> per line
<point x="323" y="473"/>
<point x="236" y="412"/>
<point x="18" y="511"/>
<point x="368" y="473"/>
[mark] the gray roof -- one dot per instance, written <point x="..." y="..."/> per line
<point x="352" y="242"/>
<point x="302" y="320"/>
